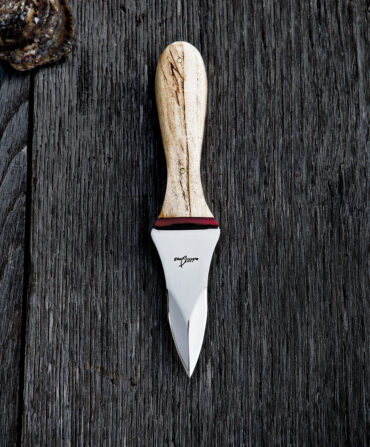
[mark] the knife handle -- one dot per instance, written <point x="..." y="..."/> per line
<point x="181" y="93"/>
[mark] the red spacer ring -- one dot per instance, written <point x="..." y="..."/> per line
<point x="201" y="221"/>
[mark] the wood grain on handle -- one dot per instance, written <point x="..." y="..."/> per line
<point x="181" y="92"/>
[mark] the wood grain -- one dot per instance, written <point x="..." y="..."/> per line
<point x="14" y="93"/>
<point x="181" y="92"/>
<point x="284" y="169"/>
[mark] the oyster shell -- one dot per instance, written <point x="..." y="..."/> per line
<point x="35" y="32"/>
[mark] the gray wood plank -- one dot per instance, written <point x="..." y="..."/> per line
<point x="14" y="94"/>
<point x="284" y="171"/>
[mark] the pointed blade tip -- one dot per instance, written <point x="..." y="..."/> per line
<point x="189" y="371"/>
<point x="188" y="334"/>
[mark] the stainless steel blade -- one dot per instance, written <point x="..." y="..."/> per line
<point x="186" y="256"/>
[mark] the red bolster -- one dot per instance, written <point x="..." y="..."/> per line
<point x="201" y="221"/>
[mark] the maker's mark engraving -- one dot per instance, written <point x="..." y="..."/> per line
<point x="184" y="260"/>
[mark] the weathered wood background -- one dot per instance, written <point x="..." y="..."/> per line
<point x="86" y="352"/>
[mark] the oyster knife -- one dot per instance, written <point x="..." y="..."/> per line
<point x="185" y="232"/>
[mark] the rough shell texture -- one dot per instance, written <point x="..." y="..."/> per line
<point x="34" y="32"/>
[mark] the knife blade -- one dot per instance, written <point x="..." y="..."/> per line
<point x="185" y="233"/>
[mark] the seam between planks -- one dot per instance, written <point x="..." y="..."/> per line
<point x="27" y="259"/>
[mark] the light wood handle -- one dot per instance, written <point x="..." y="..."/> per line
<point x="181" y="92"/>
